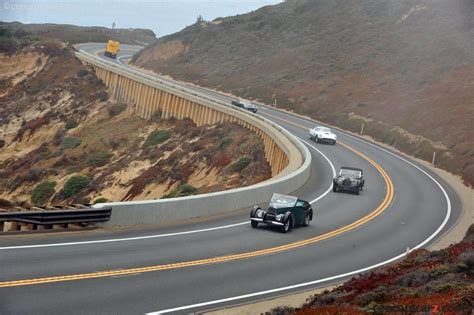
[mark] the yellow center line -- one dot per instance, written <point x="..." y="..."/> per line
<point x="101" y="274"/>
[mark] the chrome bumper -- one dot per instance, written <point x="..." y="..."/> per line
<point x="267" y="222"/>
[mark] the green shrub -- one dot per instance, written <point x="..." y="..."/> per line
<point x="181" y="191"/>
<point x="116" y="109"/>
<point x="156" y="137"/>
<point x="98" y="159"/>
<point x="225" y="142"/>
<point x="42" y="193"/>
<point x="70" y="143"/>
<point x="157" y="116"/>
<point x="101" y="200"/>
<point x="240" y="164"/>
<point x="71" y="123"/>
<point x="82" y="73"/>
<point x="102" y="96"/>
<point x="75" y="184"/>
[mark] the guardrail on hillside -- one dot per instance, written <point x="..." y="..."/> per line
<point x="289" y="158"/>
<point x="30" y="220"/>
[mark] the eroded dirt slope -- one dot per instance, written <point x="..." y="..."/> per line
<point x="59" y="125"/>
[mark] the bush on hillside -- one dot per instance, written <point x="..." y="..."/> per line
<point x="102" y="96"/>
<point x="181" y="191"/>
<point x="71" y="123"/>
<point x="42" y="193"/>
<point x="98" y="159"/>
<point x="116" y="109"/>
<point x="75" y="184"/>
<point x="70" y="143"/>
<point x="101" y="200"/>
<point x="225" y="142"/>
<point x="156" y="137"/>
<point x="240" y="164"/>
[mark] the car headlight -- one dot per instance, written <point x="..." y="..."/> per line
<point x="279" y="217"/>
<point x="259" y="213"/>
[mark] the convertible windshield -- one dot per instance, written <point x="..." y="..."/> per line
<point x="323" y="129"/>
<point x="282" y="201"/>
<point x="350" y="173"/>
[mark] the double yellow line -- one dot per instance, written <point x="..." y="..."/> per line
<point x="122" y="272"/>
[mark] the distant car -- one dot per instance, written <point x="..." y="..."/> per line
<point x="322" y="134"/>
<point x="284" y="212"/>
<point x="349" y="179"/>
<point x="245" y="105"/>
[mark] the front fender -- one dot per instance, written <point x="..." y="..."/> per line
<point x="254" y="210"/>
<point x="287" y="216"/>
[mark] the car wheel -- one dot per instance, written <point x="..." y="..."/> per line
<point x="306" y="220"/>
<point x="334" y="143"/>
<point x="334" y="188"/>
<point x="287" y="226"/>
<point x="357" y="191"/>
<point x="254" y="224"/>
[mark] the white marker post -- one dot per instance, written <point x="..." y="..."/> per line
<point x="434" y="158"/>
<point x="362" y="128"/>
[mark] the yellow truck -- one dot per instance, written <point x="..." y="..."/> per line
<point x="111" y="49"/>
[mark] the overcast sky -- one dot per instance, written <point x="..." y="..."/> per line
<point x="162" y="16"/>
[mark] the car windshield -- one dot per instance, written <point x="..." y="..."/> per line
<point x="322" y="129"/>
<point x="282" y="201"/>
<point x="350" y="173"/>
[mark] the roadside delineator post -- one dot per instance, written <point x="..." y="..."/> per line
<point x="434" y="158"/>
<point x="362" y="128"/>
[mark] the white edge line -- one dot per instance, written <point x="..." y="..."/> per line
<point x="164" y="235"/>
<point x="443" y="224"/>
<point x="125" y="239"/>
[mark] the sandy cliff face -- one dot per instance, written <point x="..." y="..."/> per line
<point x="58" y="122"/>
<point x="404" y="68"/>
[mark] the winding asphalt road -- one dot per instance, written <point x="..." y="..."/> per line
<point x="420" y="208"/>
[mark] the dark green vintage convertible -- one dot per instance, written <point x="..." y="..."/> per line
<point x="284" y="212"/>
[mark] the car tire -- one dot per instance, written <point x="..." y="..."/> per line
<point x="357" y="191"/>
<point x="306" y="220"/>
<point x="334" y="143"/>
<point x="254" y="224"/>
<point x="334" y="188"/>
<point x="287" y="226"/>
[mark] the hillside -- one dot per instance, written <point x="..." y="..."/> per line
<point x="404" y="68"/>
<point x="64" y="140"/>
<point x="415" y="285"/>
<point x="73" y="34"/>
